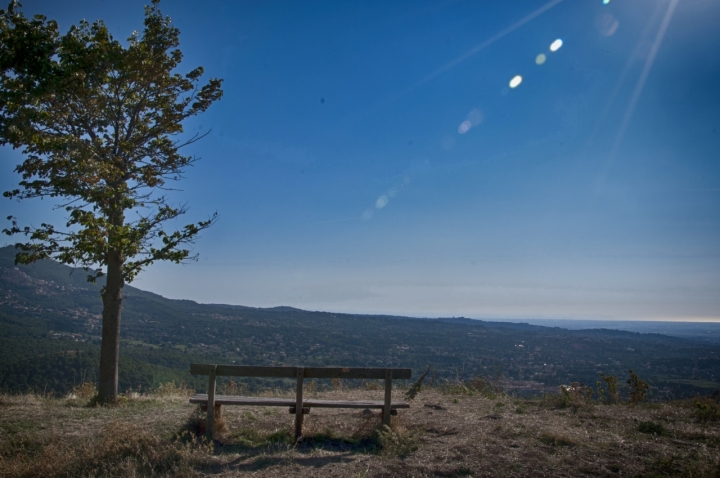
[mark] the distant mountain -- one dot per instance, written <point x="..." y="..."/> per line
<point x="50" y="329"/>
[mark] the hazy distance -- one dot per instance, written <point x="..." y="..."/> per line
<point x="521" y="160"/>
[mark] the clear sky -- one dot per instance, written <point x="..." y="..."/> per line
<point x="372" y="156"/>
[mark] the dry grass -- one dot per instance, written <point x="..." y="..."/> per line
<point x="451" y="434"/>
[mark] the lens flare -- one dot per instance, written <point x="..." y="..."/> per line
<point x="607" y="24"/>
<point x="464" y="127"/>
<point x="540" y="59"/>
<point x="555" y="46"/>
<point x="605" y="2"/>
<point x="475" y="117"/>
<point x="515" y="82"/>
<point x="381" y="202"/>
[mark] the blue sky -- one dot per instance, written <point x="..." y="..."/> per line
<point x="346" y="178"/>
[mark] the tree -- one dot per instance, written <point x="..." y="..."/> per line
<point x="98" y="124"/>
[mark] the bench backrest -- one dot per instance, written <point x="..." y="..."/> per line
<point x="292" y="372"/>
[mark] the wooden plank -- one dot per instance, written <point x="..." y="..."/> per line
<point x="291" y="372"/>
<point x="355" y="372"/>
<point x="201" y="399"/>
<point x="388" y="397"/>
<point x="353" y="404"/>
<point x="252" y="371"/>
<point x="211" y="405"/>
<point x="299" y="402"/>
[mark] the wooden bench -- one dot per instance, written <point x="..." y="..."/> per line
<point x="298" y="406"/>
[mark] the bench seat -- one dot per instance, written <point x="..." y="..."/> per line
<point x="201" y="399"/>
<point x="212" y="403"/>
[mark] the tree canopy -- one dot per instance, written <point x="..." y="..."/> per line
<point x="100" y="125"/>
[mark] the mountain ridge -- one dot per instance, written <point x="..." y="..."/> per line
<point x="45" y="309"/>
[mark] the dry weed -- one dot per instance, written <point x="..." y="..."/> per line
<point x="83" y="391"/>
<point x="397" y="442"/>
<point x="121" y="450"/>
<point x="173" y="390"/>
<point x="463" y="434"/>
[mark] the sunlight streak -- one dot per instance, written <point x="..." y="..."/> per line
<point x="644" y="75"/>
<point x="640" y="85"/>
<point x="621" y="79"/>
<point x="481" y="46"/>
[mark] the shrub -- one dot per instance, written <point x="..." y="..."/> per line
<point x="612" y="394"/>
<point x="172" y="389"/>
<point x="231" y="387"/>
<point x="707" y="410"/>
<point x="397" y="443"/>
<point x="417" y="386"/>
<point x="84" y="391"/>
<point x="651" y="428"/>
<point x="483" y="387"/>
<point x="637" y="389"/>
<point x="574" y="395"/>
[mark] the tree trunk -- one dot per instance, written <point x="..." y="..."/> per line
<point x="110" y="346"/>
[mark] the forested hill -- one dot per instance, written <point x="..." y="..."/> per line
<point x="50" y="331"/>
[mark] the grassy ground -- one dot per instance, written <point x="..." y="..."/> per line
<point x="446" y="432"/>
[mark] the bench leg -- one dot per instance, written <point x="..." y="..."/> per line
<point x="299" y="402"/>
<point x="388" y="397"/>
<point x="393" y="413"/>
<point x="210" y="420"/>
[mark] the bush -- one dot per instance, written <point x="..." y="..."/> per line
<point x="637" y="389"/>
<point x="397" y="443"/>
<point x="707" y="410"/>
<point x="170" y="389"/>
<point x="612" y="394"/>
<point x="483" y="387"/>
<point x="651" y="428"/>
<point x="231" y="387"/>
<point x="84" y="391"/>
<point x="574" y="395"/>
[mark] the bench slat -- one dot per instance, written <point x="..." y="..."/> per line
<point x="245" y="371"/>
<point x="355" y="372"/>
<point x="291" y="372"/>
<point x="201" y="398"/>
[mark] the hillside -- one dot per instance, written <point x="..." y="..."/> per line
<point x="447" y="432"/>
<point x="49" y="336"/>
